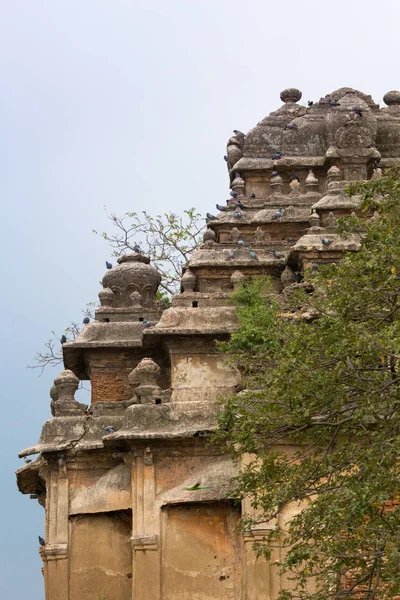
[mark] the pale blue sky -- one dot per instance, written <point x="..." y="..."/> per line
<point x="129" y="104"/>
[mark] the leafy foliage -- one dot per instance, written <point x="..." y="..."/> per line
<point x="329" y="392"/>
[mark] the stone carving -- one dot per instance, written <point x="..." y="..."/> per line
<point x="209" y="236"/>
<point x="147" y="457"/>
<point x="143" y="382"/>
<point x="289" y="212"/>
<point x="290" y="95"/>
<point x="238" y="185"/>
<point x="259" y="235"/>
<point x="314" y="219"/>
<point x="234" y="234"/>
<point x="236" y="278"/>
<point x="377" y="173"/>
<point x="188" y="281"/>
<point x="311" y="182"/>
<point x="62" y="393"/>
<point x="135" y="299"/>
<point x="295" y="187"/>
<point x="331" y="221"/>
<point x="276" y="184"/>
<point x="106" y="297"/>
<point x="132" y="274"/>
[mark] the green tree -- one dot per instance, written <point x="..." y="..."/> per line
<point x="331" y="389"/>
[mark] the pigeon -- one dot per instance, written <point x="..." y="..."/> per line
<point x="326" y="241"/>
<point x="240" y="244"/>
<point x="274" y="173"/>
<point x="210" y="217"/>
<point x="376" y="164"/>
<point x="108" y="265"/>
<point x="310" y="103"/>
<point x="277" y="155"/>
<point x="221" y="208"/>
<point x="197" y="486"/>
<point x="277" y="254"/>
<point x="231" y="255"/>
<point x="234" y="194"/>
<point x="277" y="214"/>
<point x="86" y="321"/>
<point x="290" y="239"/>
<point x="253" y="255"/>
<point x="27" y="460"/>
<point x="290" y="126"/>
<point x="225" y="158"/>
<point x="314" y="267"/>
<point x="357" y="111"/>
<point x="147" y="323"/>
<point x="136" y="248"/>
<point x="109" y="429"/>
<point x="42" y="542"/>
<point x="63" y="339"/>
<point x="298" y="277"/>
<point x="252" y="195"/>
<point x="236" y="132"/>
<point x="240" y="204"/>
<point x="237" y="215"/>
<point x="333" y="102"/>
<point x="294" y="176"/>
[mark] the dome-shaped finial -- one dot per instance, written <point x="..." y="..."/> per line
<point x="290" y="95"/>
<point x="132" y="274"/>
<point x="391" y="98"/>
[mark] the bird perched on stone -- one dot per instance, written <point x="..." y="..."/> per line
<point x="252" y="195"/>
<point x="310" y="103"/>
<point x="237" y="215"/>
<point x="197" y="486"/>
<point x="274" y="173"/>
<point x="136" y="248"/>
<point x="109" y="429"/>
<point x="357" y="111"/>
<point x="237" y="132"/>
<point x="277" y="254"/>
<point x="290" y="239"/>
<point x="333" y="102"/>
<point x="326" y="241"/>
<point x="231" y="255"/>
<point x="233" y="194"/>
<point x="253" y="255"/>
<point x="27" y="460"/>
<point x="294" y="176"/>
<point x="108" y="265"/>
<point x="376" y="164"/>
<point x="225" y="158"/>
<point x="42" y="542"/>
<point x="298" y="277"/>
<point x="210" y="217"/>
<point x="63" y="339"/>
<point x="290" y="126"/>
<point x="239" y="203"/>
<point x="86" y="321"/>
<point x="277" y="155"/>
<point x="277" y="214"/>
<point x="314" y="267"/>
<point x="240" y="243"/>
<point x="221" y="208"/>
<point x="147" y="323"/>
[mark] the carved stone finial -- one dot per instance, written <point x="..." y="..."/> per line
<point x="392" y="98"/>
<point x="62" y="393"/>
<point x="236" y="278"/>
<point x="334" y="173"/>
<point x="209" y="236"/>
<point x="234" y="234"/>
<point x="132" y="274"/>
<point x="143" y="382"/>
<point x="259" y="235"/>
<point x="106" y="297"/>
<point x="238" y="185"/>
<point x="331" y="221"/>
<point x="294" y="187"/>
<point x="311" y="182"/>
<point x="314" y="219"/>
<point x="290" y="95"/>
<point x="135" y="299"/>
<point x="276" y="184"/>
<point x="188" y="281"/>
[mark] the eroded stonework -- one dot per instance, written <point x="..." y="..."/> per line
<point x="124" y="518"/>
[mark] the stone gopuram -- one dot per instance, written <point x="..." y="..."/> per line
<point x="137" y="503"/>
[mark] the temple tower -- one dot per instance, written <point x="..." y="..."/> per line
<point x="137" y="503"/>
